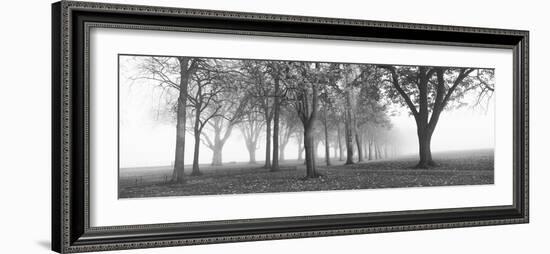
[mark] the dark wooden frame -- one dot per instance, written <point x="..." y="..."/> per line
<point x="71" y="231"/>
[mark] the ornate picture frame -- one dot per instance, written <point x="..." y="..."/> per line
<point x="71" y="202"/>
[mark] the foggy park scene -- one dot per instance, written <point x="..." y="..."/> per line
<point x="207" y="126"/>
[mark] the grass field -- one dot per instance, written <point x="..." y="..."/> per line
<point x="455" y="168"/>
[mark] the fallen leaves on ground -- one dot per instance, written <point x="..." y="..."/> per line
<point x="453" y="169"/>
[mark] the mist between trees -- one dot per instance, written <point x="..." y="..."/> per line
<point x="341" y="107"/>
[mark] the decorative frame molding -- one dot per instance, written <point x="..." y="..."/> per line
<point x="71" y="22"/>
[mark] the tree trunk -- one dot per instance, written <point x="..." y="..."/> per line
<point x="423" y="130"/>
<point x="283" y="142"/>
<point x="251" y="141"/>
<point x="267" y="143"/>
<point x="275" y="164"/>
<point x="315" y="148"/>
<point x="179" y="162"/>
<point x="251" y="153"/>
<point x="371" y="150"/>
<point x="308" y="120"/>
<point x="327" y="147"/>
<point x="349" y="131"/>
<point x="310" y="155"/>
<point x="359" y="147"/>
<point x="340" y="147"/>
<point x="424" y="151"/>
<point x="217" y="147"/>
<point x="349" y="145"/>
<point x="282" y="147"/>
<point x="300" y="148"/>
<point x="196" y="171"/>
<point x="217" y="155"/>
<point x="365" y="147"/>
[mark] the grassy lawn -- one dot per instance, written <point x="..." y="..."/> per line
<point x="455" y="168"/>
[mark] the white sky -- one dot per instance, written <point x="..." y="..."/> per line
<point x="146" y="141"/>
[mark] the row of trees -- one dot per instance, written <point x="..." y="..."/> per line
<point x="343" y="106"/>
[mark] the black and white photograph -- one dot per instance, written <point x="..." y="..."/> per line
<point x="274" y="127"/>
<point x="192" y="125"/>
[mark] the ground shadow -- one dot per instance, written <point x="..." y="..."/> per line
<point x="44" y="244"/>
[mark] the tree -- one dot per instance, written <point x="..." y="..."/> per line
<point x="340" y="147"/>
<point x="351" y="76"/>
<point x="370" y="109"/>
<point x="427" y="91"/>
<point x="187" y="68"/>
<point x="306" y="102"/>
<point x="300" y="141"/>
<point x="229" y="114"/>
<point x="251" y="127"/>
<point x="335" y="117"/>
<point x="261" y="89"/>
<point x="173" y="73"/>
<point x="317" y="132"/>
<point x="221" y="129"/>
<point x="275" y="68"/>
<point x="348" y="131"/>
<point x="329" y="91"/>
<point x="206" y="102"/>
<point x="289" y="126"/>
<point x="304" y="93"/>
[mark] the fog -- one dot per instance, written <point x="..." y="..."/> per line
<point x="147" y="136"/>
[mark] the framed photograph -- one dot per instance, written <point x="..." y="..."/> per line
<point x="182" y="126"/>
